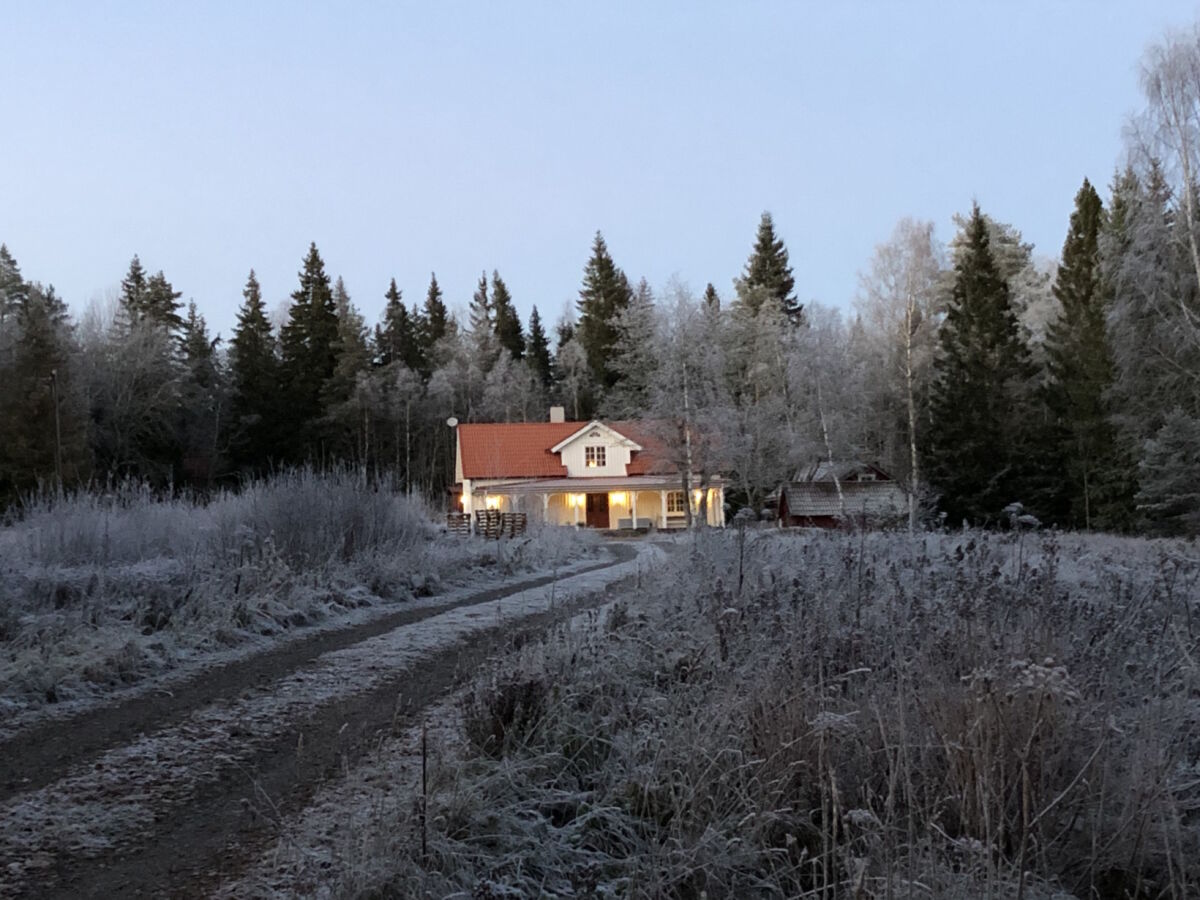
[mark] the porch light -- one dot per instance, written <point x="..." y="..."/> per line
<point x="697" y="494"/>
<point x="576" y="499"/>
<point x="492" y="502"/>
<point x="617" y="498"/>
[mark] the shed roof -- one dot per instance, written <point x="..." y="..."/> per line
<point x="842" y="470"/>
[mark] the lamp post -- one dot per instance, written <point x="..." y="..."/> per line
<point x="452" y="423"/>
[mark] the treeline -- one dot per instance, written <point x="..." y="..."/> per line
<point x="992" y="383"/>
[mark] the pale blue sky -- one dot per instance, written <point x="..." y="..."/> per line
<point x="405" y="138"/>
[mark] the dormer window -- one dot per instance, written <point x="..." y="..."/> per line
<point x="593" y="457"/>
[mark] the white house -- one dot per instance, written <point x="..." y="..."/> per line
<point x="598" y="474"/>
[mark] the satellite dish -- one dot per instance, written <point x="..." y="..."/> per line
<point x="452" y="422"/>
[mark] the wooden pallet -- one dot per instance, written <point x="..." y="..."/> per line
<point x="489" y="523"/>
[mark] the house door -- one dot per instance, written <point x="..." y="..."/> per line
<point x="597" y="510"/>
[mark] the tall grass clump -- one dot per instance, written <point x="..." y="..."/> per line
<point x="967" y="716"/>
<point x="98" y="590"/>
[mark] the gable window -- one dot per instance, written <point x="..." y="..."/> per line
<point x="675" y="504"/>
<point x="593" y="457"/>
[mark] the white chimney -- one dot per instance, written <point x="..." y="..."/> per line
<point x="558" y="414"/>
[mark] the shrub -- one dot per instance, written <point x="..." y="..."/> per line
<point x="102" y="589"/>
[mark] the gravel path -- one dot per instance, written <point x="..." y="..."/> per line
<point x="169" y="795"/>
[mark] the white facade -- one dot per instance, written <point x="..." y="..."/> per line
<point x="578" y="452"/>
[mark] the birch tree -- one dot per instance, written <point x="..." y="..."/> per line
<point x="898" y="302"/>
<point x="759" y="428"/>
<point x="1169" y="130"/>
<point x="686" y="400"/>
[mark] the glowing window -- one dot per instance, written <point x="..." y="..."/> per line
<point x="593" y="457"/>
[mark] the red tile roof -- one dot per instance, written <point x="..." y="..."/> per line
<point x="516" y="450"/>
<point x="522" y="450"/>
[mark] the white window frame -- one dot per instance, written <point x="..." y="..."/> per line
<point x="676" y="503"/>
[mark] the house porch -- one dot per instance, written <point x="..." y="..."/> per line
<point x="607" y="506"/>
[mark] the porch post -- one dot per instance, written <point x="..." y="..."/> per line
<point x="545" y="509"/>
<point x="575" y="506"/>
<point x="633" y="507"/>
<point x="663" y="495"/>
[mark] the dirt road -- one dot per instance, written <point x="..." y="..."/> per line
<point x="168" y="795"/>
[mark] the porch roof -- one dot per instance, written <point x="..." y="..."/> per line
<point x="664" y="482"/>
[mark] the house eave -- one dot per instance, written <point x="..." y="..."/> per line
<point x="668" y="482"/>
<point x="595" y="423"/>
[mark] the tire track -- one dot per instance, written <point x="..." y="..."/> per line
<point x="175" y="813"/>
<point x="43" y="753"/>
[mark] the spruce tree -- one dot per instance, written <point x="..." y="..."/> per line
<point x="712" y="300"/>
<point x="636" y="357"/>
<point x="1081" y="373"/>
<point x="1170" y="475"/>
<point x="480" y="313"/>
<point x="564" y="331"/>
<point x="351" y="349"/>
<point x="436" y="323"/>
<point x="507" y="322"/>
<point x="151" y="300"/>
<point x="12" y="295"/>
<point x="604" y="296"/>
<point x="1154" y="339"/>
<point x="537" y="350"/>
<point x="256" y="404"/>
<point x="199" y="350"/>
<point x="398" y="339"/>
<point x="38" y="444"/>
<point x="978" y="439"/>
<point x="201" y="398"/>
<point x="162" y="302"/>
<point x="133" y="286"/>
<point x="346" y="406"/>
<point x="136" y="403"/>
<point x="308" y="353"/>
<point x="768" y="277"/>
<point x="12" y="285"/>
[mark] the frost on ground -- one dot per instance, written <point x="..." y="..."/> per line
<point x="951" y="716"/>
<point x="116" y="800"/>
<point x="99" y="593"/>
<point x="341" y="830"/>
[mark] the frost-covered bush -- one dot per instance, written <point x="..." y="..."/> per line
<point x="101" y="590"/>
<point x="975" y="715"/>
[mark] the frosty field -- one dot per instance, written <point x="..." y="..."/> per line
<point x="767" y="714"/>
<point x="99" y="594"/>
<point x="868" y="716"/>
